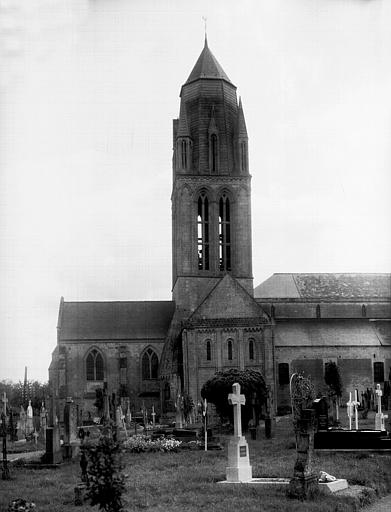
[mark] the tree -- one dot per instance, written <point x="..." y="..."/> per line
<point x="217" y="389"/>
<point x="37" y="392"/>
<point x="333" y="380"/>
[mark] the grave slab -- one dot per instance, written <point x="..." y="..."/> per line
<point x="331" y="487"/>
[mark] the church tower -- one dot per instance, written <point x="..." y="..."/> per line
<point x="211" y="210"/>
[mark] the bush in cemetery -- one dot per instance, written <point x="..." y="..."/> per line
<point x="332" y="378"/>
<point x="217" y="389"/>
<point x="106" y="481"/>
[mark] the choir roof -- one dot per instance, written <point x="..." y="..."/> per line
<point x="114" y="320"/>
<point x="325" y="287"/>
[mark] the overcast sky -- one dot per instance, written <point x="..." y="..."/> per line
<point x="88" y="93"/>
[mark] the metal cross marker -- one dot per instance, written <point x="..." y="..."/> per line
<point x="237" y="400"/>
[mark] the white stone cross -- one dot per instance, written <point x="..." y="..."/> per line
<point x="237" y="400"/>
<point x="153" y="415"/>
<point x="379" y="394"/>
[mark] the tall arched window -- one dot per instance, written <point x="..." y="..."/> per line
<point x="229" y="349"/>
<point x="208" y="351"/>
<point x="213" y="153"/>
<point x="150" y="364"/>
<point x="203" y="232"/>
<point x="224" y="233"/>
<point x="251" y="349"/>
<point x="94" y="365"/>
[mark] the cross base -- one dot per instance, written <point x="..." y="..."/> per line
<point x="239" y="469"/>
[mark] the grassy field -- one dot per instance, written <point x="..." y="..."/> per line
<point x="187" y="481"/>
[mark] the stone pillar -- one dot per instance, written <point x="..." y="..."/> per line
<point x="304" y="483"/>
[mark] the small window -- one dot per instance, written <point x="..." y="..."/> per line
<point x="363" y="310"/>
<point x="251" y="349"/>
<point x="229" y="347"/>
<point x="94" y="365"/>
<point x="150" y="364"/>
<point x="208" y="351"/>
<point x="283" y="374"/>
<point x="378" y="372"/>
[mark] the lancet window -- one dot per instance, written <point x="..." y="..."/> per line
<point x="149" y="365"/>
<point x="203" y="232"/>
<point x="251" y="349"/>
<point x="224" y="234"/>
<point x="94" y="366"/>
<point x="229" y="349"/>
<point x="208" y="351"/>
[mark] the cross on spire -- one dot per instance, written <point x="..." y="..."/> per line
<point x="237" y="400"/>
<point x="206" y="38"/>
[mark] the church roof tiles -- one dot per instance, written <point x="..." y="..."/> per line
<point x="325" y="287"/>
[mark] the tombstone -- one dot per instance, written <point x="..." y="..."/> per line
<point x="29" y="421"/>
<point x="321" y="413"/>
<point x="304" y="483"/>
<point x="379" y="416"/>
<point x="153" y="414"/>
<point x="43" y="421"/>
<point x="238" y="469"/>
<point x="53" y="453"/>
<point x="71" y="439"/>
<point x="179" y="411"/>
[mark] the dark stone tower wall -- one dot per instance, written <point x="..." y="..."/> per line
<point x="209" y="106"/>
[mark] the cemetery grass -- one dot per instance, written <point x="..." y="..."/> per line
<point x="186" y="481"/>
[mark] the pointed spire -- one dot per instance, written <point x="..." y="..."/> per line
<point x="207" y="66"/>
<point x="183" y="126"/>
<point x="241" y="123"/>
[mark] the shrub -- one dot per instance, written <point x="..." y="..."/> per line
<point x="106" y="482"/>
<point x="217" y="389"/>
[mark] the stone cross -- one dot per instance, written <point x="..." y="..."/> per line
<point x="237" y="400"/>
<point x="153" y="414"/>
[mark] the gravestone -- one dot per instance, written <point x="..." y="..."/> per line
<point x="43" y="421"/>
<point x="30" y="420"/>
<point x="21" y="424"/>
<point x="379" y="416"/>
<point x="53" y="453"/>
<point x="3" y="432"/>
<point x="304" y="483"/>
<point x="321" y="413"/>
<point x="238" y="469"/>
<point x="71" y="438"/>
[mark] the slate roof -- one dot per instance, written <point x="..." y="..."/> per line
<point x="334" y="287"/>
<point x="207" y="67"/>
<point x="115" y="320"/>
<point x="327" y="334"/>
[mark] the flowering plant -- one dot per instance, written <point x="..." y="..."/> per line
<point x="142" y="443"/>
<point x="20" y="505"/>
